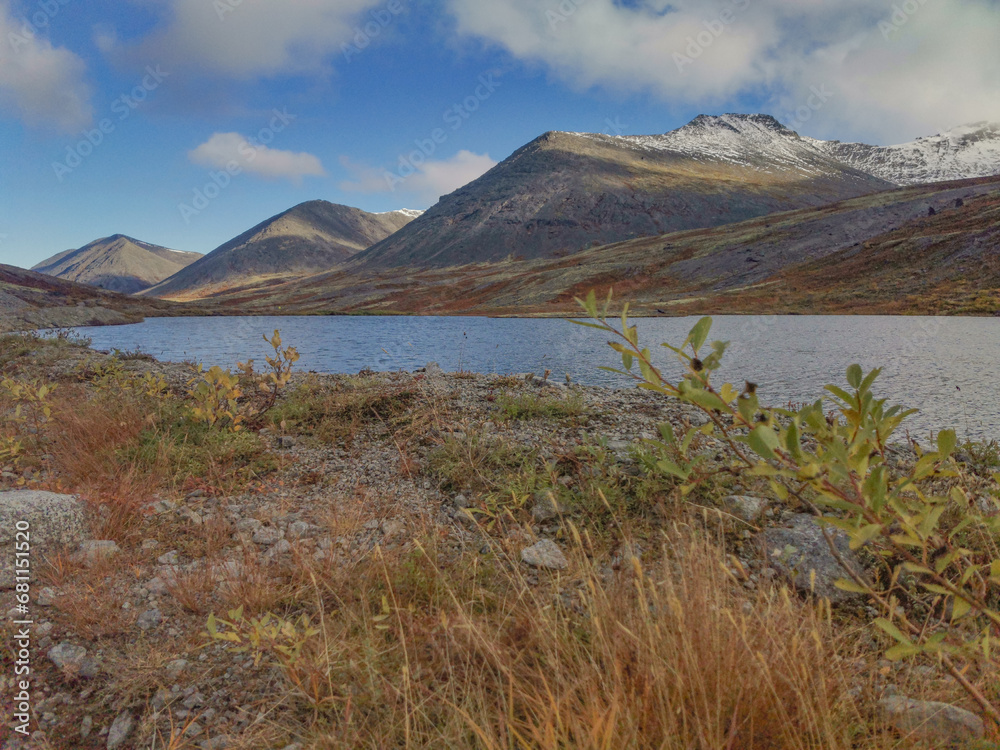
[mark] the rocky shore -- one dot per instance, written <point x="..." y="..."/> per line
<point x="504" y="472"/>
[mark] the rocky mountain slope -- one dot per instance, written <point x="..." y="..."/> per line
<point x="564" y="192"/>
<point x="309" y="238"/>
<point x="117" y="263"/>
<point x="34" y="300"/>
<point x="962" y="152"/>
<point x="923" y="249"/>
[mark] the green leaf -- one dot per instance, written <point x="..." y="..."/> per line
<point x="855" y="375"/>
<point x="902" y="651"/>
<point x="845" y="584"/>
<point x="763" y="440"/>
<point x="699" y="333"/>
<point x="865" y="534"/>
<point x="669" y="467"/>
<point x="946" y="440"/>
<point x="960" y="608"/>
<point x="887" y="627"/>
<point x="627" y="360"/>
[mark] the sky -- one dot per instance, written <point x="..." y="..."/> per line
<point x="186" y="122"/>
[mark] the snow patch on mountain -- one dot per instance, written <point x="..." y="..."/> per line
<point x="761" y="142"/>
<point x="966" y="151"/>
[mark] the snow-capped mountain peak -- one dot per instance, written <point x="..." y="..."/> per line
<point x="971" y="150"/>
<point x="762" y="142"/>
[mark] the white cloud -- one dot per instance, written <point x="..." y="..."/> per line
<point x="242" y="39"/>
<point x="224" y="150"/>
<point x="45" y="85"/>
<point x="940" y="67"/>
<point x="426" y="182"/>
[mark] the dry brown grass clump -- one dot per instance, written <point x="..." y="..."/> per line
<point x="420" y="649"/>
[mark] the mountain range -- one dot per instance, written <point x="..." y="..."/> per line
<point x="745" y="198"/>
<point x="308" y="238"/>
<point x="117" y="263"/>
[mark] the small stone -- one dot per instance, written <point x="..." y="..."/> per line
<point x="250" y="525"/>
<point x="393" y="528"/>
<point x="120" y="730"/>
<point x="747" y="507"/>
<point x="193" y="729"/>
<point x="173" y="557"/>
<point x="433" y="369"/>
<point x="92" y="550"/>
<point x="282" y="547"/>
<point x="938" y="724"/>
<point x="193" y="700"/>
<point x="161" y="700"/>
<point x="544" y="554"/>
<point x="546" y="507"/>
<point x="267" y="535"/>
<point x="461" y="501"/>
<point x="149" y="619"/>
<point x="301" y="530"/>
<point x="216" y="743"/>
<point x="285" y="442"/>
<point x="175" y="668"/>
<point x="149" y="544"/>
<point x="46" y="597"/>
<point x="86" y="725"/>
<point x="195" y="494"/>
<point x="66" y="656"/>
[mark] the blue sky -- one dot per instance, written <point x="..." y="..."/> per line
<point x="186" y="122"/>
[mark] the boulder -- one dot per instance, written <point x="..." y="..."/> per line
<point x="938" y="724"/>
<point x="799" y="550"/>
<point x="54" y="521"/>
<point x="544" y="554"/>
<point x="121" y="730"/>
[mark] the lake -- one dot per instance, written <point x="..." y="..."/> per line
<point x="947" y="367"/>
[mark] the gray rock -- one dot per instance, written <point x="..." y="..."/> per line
<point x="173" y="557"/>
<point x="216" y="743"/>
<point x="301" y="530"/>
<point x="86" y="725"/>
<point x="54" y="521"/>
<point x="392" y="528"/>
<point x="544" y="554"/>
<point x="67" y="656"/>
<point x="800" y="548"/>
<point x="46" y="597"/>
<point x="284" y="442"/>
<point x="248" y="524"/>
<point x="176" y="668"/>
<point x="747" y="507"/>
<point x="93" y="550"/>
<point x="461" y="501"/>
<point x="546" y="507"/>
<point x="149" y="619"/>
<point x="282" y="547"/>
<point x="267" y="535"/>
<point x="433" y="369"/>
<point x="938" y="724"/>
<point x="121" y="730"/>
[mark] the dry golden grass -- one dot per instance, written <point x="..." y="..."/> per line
<point x="419" y="649"/>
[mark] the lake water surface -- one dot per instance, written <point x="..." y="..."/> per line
<point x="949" y="368"/>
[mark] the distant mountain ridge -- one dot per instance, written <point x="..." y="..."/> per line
<point x="564" y="192"/>
<point x="309" y="238"/>
<point x="963" y="152"/>
<point x="117" y="263"/>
